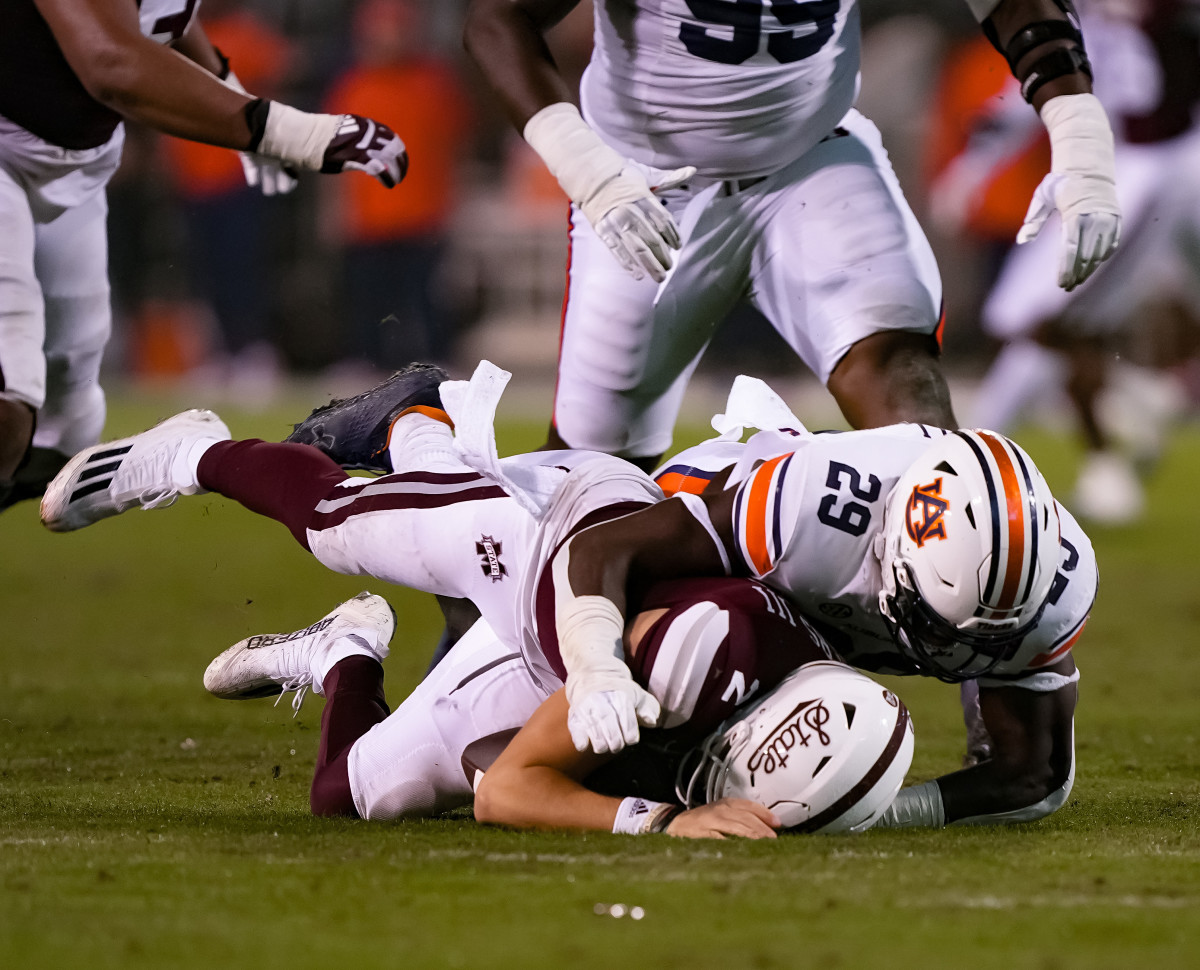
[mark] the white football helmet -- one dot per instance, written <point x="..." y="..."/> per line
<point x="969" y="550"/>
<point x="826" y="751"/>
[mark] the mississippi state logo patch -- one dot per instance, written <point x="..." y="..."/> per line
<point x="925" y="514"/>
<point x="488" y="549"/>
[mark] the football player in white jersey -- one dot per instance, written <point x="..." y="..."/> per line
<point x="718" y="158"/>
<point x="919" y="550"/>
<point x="70" y="70"/>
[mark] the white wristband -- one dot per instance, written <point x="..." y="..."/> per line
<point x="572" y="151"/>
<point x="637" y="816"/>
<point x="1081" y="141"/>
<point x="297" y="137"/>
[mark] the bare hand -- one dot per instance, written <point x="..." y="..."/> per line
<point x="729" y="816"/>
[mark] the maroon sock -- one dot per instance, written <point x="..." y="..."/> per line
<point x="354" y="703"/>
<point x="281" y="481"/>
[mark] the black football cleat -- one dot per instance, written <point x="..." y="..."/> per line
<point x="354" y="431"/>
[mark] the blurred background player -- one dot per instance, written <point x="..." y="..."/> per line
<point x="775" y="191"/>
<point x="70" y="70"/>
<point x="1145" y="306"/>
<point x="228" y="221"/>
<point x="393" y="244"/>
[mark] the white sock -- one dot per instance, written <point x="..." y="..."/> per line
<point x="1022" y="372"/>
<point x="184" y="470"/>
<point x="425" y="444"/>
<point x="346" y="645"/>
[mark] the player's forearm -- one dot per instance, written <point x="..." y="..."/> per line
<point x="542" y="798"/>
<point x="165" y="91"/>
<point x="506" y="41"/>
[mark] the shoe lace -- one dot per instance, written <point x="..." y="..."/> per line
<point x="157" y="498"/>
<point x="297" y="699"/>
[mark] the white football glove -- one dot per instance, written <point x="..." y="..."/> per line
<point x="606" y="709"/>
<point x="606" y="705"/>
<point x="1081" y="186"/>
<point x="270" y="175"/>
<point x="616" y="194"/>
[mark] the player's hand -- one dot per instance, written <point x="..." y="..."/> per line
<point x="1091" y="222"/>
<point x="1081" y="186"/>
<point x="269" y="175"/>
<point x="365" y="145"/>
<point x="632" y="222"/>
<point x="605" y="711"/>
<point x="616" y="194"/>
<point x="728" y="816"/>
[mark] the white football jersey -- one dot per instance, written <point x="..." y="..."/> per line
<point x="738" y="89"/>
<point x="807" y="511"/>
<point x="166" y="21"/>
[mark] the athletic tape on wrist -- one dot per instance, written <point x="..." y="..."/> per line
<point x="918" y="806"/>
<point x="297" y="137"/>
<point x="1081" y="141"/>
<point x="572" y="151"/>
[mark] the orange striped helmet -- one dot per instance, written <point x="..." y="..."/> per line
<point x="969" y="549"/>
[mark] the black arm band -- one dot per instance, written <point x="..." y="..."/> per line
<point x="1054" y="65"/>
<point x="256" y="121"/>
<point x="1034" y="35"/>
<point x="224" y="72"/>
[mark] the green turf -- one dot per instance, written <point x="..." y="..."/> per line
<point x="145" y="824"/>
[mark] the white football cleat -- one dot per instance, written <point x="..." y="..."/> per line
<point x="273" y="663"/>
<point x="147" y="470"/>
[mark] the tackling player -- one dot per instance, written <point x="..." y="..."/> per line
<point x="725" y="131"/>
<point x="918" y="550"/>
<point x="70" y="71"/>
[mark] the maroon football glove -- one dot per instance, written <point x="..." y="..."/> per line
<point x="366" y="145"/>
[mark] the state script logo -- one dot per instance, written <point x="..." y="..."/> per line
<point x="925" y="514"/>
<point x="489" y="550"/>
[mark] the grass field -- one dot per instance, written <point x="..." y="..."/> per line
<point x="146" y="824"/>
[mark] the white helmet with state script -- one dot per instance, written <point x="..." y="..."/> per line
<point x="826" y="751"/>
<point x="969" y="550"/>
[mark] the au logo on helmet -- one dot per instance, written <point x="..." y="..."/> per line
<point x="925" y="514"/>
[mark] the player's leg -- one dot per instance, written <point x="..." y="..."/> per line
<point x="22" y="330"/>
<point x="629" y="346"/>
<point x="891" y="377"/>
<point x="423" y="758"/>
<point x="72" y="266"/>
<point x="339" y="656"/>
<point x="845" y="274"/>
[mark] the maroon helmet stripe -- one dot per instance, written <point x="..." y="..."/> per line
<point x="869" y="780"/>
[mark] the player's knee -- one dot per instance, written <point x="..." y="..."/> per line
<point x="891" y="377"/>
